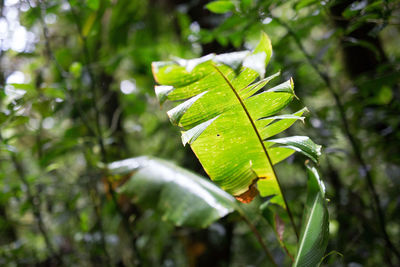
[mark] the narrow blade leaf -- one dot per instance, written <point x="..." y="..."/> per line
<point x="315" y="224"/>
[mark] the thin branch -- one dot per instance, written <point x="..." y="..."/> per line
<point x="114" y="121"/>
<point x="259" y="238"/>
<point x="33" y="199"/>
<point x="351" y="138"/>
<point x="98" y="214"/>
<point x="65" y="76"/>
<point x="35" y="203"/>
<point x="88" y="62"/>
<point x="93" y="80"/>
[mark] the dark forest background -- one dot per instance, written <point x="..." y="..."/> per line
<point x="77" y="92"/>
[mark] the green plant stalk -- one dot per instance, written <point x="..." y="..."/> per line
<point x="257" y="235"/>
<point x="35" y="209"/>
<point x="283" y="246"/>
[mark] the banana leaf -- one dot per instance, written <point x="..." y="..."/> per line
<point x="228" y="118"/>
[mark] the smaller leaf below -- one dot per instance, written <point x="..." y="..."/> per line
<point x="181" y="196"/>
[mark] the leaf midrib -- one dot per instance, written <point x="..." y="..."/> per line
<point x="251" y="121"/>
<point x="306" y="230"/>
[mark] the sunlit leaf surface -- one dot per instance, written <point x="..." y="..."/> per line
<point x="228" y="118"/>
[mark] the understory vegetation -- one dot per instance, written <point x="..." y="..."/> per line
<point x="199" y="133"/>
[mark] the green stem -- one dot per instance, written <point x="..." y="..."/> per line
<point x="257" y="235"/>
<point x="35" y="203"/>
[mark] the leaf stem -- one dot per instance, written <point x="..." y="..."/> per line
<point x="279" y="236"/>
<point x="264" y="148"/>
<point x="286" y="203"/>
<point x="258" y="236"/>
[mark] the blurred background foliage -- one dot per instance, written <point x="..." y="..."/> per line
<point x="77" y="91"/>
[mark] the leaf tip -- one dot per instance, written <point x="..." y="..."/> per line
<point x="176" y="114"/>
<point x="162" y="92"/>
<point x="264" y="46"/>
<point x="184" y="138"/>
<point x="292" y="88"/>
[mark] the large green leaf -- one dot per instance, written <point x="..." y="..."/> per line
<point x="315" y="224"/>
<point x="182" y="197"/>
<point x="228" y="118"/>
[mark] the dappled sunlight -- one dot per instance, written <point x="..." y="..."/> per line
<point x="222" y="133"/>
